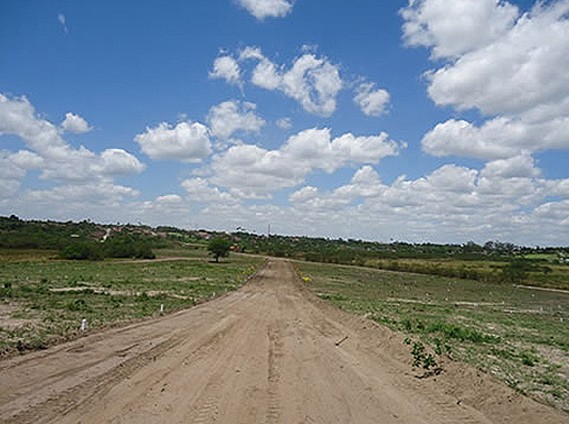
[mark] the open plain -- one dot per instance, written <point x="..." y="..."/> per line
<point x="270" y="352"/>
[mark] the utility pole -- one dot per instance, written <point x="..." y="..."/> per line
<point x="269" y="231"/>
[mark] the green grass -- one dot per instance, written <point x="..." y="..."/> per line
<point x="519" y="335"/>
<point x="43" y="300"/>
<point x="546" y="271"/>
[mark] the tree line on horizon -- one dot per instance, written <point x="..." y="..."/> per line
<point x="91" y="241"/>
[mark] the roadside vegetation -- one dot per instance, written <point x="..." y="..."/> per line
<point x="518" y="334"/>
<point x="44" y="299"/>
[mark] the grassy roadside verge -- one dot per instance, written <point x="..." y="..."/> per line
<point x="43" y="300"/>
<point x="519" y="335"/>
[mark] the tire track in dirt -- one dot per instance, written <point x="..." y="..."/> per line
<point x="65" y="401"/>
<point x="274" y="366"/>
<point x="267" y="353"/>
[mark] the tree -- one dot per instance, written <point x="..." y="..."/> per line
<point x="219" y="248"/>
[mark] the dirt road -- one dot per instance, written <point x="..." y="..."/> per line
<point x="267" y="353"/>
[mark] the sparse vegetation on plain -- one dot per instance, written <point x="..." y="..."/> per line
<point x="518" y="334"/>
<point x="500" y="307"/>
<point x="43" y="299"/>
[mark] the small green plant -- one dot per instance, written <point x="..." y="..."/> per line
<point x="529" y="358"/>
<point x="421" y="359"/>
<point x="429" y="362"/>
<point x="441" y="347"/>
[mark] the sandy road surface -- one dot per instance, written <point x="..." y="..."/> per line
<point x="264" y="354"/>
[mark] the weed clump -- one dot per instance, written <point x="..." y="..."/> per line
<point x="421" y="359"/>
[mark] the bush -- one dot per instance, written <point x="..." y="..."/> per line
<point x="117" y="247"/>
<point x="128" y="247"/>
<point x="83" y="250"/>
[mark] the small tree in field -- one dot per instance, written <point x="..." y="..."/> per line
<point x="219" y="248"/>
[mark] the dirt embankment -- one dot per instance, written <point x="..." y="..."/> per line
<point x="270" y="352"/>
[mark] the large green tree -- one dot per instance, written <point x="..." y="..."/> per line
<point x="219" y="248"/>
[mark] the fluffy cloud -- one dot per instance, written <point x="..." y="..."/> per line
<point x="26" y="160"/>
<point x="200" y="190"/>
<point x="364" y="184"/>
<point x="226" y="68"/>
<point x="497" y="138"/>
<point x="304" y="195"/>
<point x="75" y="124"/>
<point x="370" y="100"/>
<point x="454" y="28"/>
<point x="507" y="199"/>
<point x="119" y="162"/>
<point x="500" y="137"/>
<point x="510" y="67"/>
<point x="231" y="116"/>
<point x="80" y="179"/>
<point x="186" y="141"/>
<point x="519" y="71"/>
<point x="262" y="9"/>
<point x="312" y="81"/>
<point x="163" y="210"/>
<point x="76" y="195"/>
<point x="257" y="171"/>
<point x="522" y="166"/>
<point x="49" y="152"/>
<point x="11" y="175"/>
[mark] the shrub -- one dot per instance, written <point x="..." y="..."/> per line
<point x="82" y="250"/>
<point x="421" y="358"/>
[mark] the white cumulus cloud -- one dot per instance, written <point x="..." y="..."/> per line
<point x="231" y="116"/>
<point x="371" y="101"/>
<point x="455" y="27"/>
<point x="75" y="124"/>
<point x="510" y="66"/>
<point x="200" y="190"/>
<point x="186" y="141"/>
<point x="262" y="9"/>
<point x="312" y="81"/>
<point x="256" y="171"/>
<point x="119" y="162"/>
<point x="50" y="153"/>
<point x="507" y="199"/>
<point x="226" y="68"/>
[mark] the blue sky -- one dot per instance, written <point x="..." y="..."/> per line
<point x="426" y="120"/>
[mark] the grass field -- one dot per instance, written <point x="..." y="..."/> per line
<point x="43" y="300"/>
<point x="520" y="335"/>
<point x="547" y="271"/>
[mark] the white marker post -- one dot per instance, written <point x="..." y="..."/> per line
<point x="83" y="324"/>
<point x="161" y="309"/>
